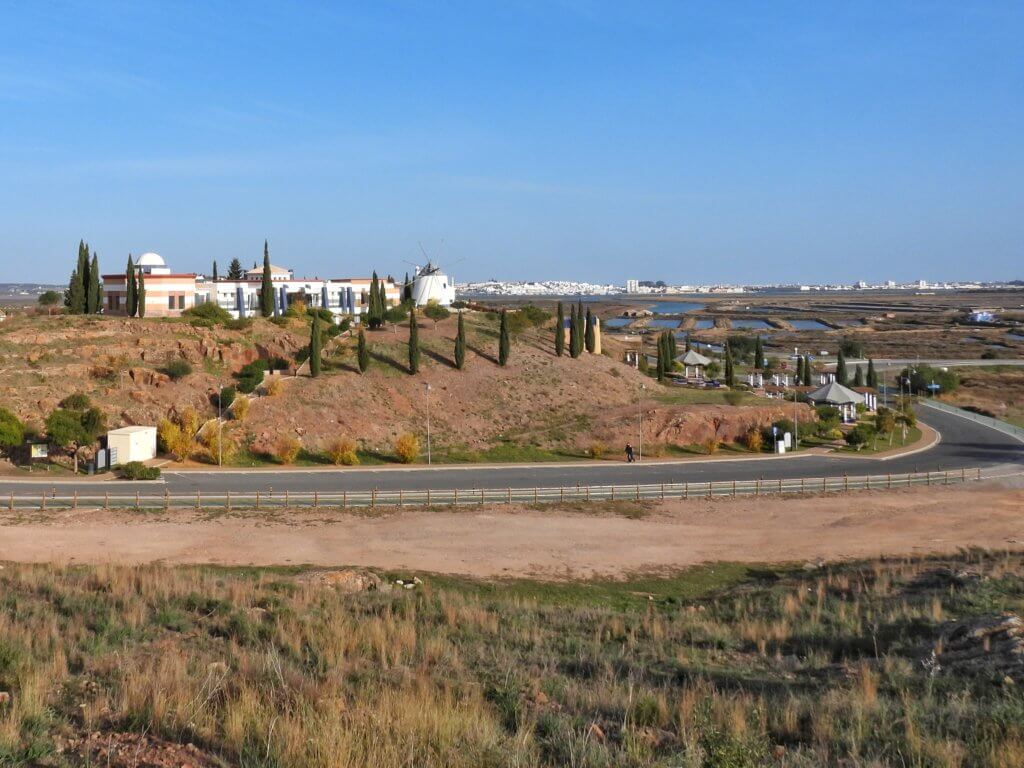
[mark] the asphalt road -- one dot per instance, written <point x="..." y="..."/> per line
<point x="964" y="444"/>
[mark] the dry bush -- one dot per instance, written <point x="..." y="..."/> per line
<point x="174" y="440"/>
<point x="274" y="387"/>
<point x="596" y="449"/>
<point x="711" y="446"/>
<point x="286" y="449"/>
<point x="189" y="421"/>
<point x="240" y="408"/>
<point x="407" y="448"/>
<point x="220" y="445"/>
<point x="754" y="440"/>
<point x="342" y="451"/>
<point x="655" y="449"/>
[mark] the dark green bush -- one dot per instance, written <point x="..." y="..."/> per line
<point x="178" y="369"/>
<point x="241" y="324"/>
<point x="223" y="398"/>
<point x="859" y="435"/>
<point x="75" y="402"/>
<point x="251" y="376"/>
<point x="209" y="311"/>
<point x="136" y="470"/>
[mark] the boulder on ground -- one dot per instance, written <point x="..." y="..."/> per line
<point x="990" y="646"/>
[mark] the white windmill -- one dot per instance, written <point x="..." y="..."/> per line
<point x="430" y="284"/>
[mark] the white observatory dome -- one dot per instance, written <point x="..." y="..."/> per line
<point x="152" y="264"/>
<point x="150" y="259"/>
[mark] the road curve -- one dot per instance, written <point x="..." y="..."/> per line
<point x="964" y="444"/>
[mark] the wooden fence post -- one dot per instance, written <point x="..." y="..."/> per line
<point x="316" y="499"/>
<point x="257" y="501"/>
<point x="734" y="489"/>
<point x="167" y="500"/>
<point x="199" y="502"/>
<point x="42" y="504"/>
<point x="106" y="500"/>
<point x="373" y="498"/>
<point x="287" y="503"/>
<point x="638" y="491"/>
<point x="686" y="489"/>
<point x="227" y="500"/>
<point x="12" y="501"/>
<point x="509" y="495"/>
<point x="428" y="497"/>
<point x="74" y="502"/>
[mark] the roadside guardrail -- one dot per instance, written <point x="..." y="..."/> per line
<point x="343" y="500"/>
<point x="997" y="424"/>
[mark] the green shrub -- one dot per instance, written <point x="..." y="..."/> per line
<point x="76" y="402"/>
<point x="240" y="324"/>
<point x="859" y="435"/>
<point x="136" y="470"/>
<point x="12" y="431"/>
<point x="209" y="312"/>
<point x="733" y="397"/>
<point x="178" y="369"/>
<point x="224" y="398"/>
<point x="251" y="376"/>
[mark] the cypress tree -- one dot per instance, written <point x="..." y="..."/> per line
<point x="74" y="298"/>
<point x="382" y="301"/>
<point x="235" y="270"/>
<point x="872" y="374"/>
<point x="858" y="377"/>
<point x="140" y="295"/>
<point x="574" y="350"/>
<point x="841" y="368"/>
<point x="314" y="346"/>
<point x="503" y="342"/>
<point x="83" y="275"/>
<point x="581" y="327"/>
<point x="406" y="289"/>
<point x="758" y="353"/>
<point x="589" y="332"/>
<point x="662" y="354"/>
<point x="808" y="373"/>
<point x="673" y="350"/>
<point x="560" y="331"/>
<point x="129" y="282"/>
<point x="374" y="313"/>
<point x="799" y="377"/>
<point x="460" y="344"/>
<point x="267" y="289"/>
<point x="688" y="347"/>
<point x="215" y="278"/>
<point x="414" y="343"/>
<point x="363" y="352"/>
<point x="730" y="374"/>
<point x="94" y="298"/>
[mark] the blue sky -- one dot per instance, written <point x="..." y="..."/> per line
<point x="692" y="142"/>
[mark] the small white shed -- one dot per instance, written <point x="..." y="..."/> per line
<point x="132" y="444"/>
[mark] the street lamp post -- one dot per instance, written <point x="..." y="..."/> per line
<point x="640" y="422"/>
<point x="427" y="387"/>
<point x="220" y="427"/>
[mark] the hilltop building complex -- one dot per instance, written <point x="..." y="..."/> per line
<point x="168" y="294"/>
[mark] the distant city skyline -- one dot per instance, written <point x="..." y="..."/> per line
<point x="741" y="143"/>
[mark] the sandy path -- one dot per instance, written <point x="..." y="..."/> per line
<point x="501" y="542"/>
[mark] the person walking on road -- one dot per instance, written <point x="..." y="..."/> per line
<point x="629" y="453"/>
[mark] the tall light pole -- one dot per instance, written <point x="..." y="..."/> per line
<point x="427" y="387"/>
<point x="640" y="421"/>
<point x="220" y="427"/>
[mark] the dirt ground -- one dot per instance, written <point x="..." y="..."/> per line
<point x="548" y="542"/>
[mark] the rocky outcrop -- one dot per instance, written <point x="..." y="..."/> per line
<point x="990" y="646"/>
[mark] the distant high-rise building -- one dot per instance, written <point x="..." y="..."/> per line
<point x="922" y="283"/>
<point x="632" y="286"/>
